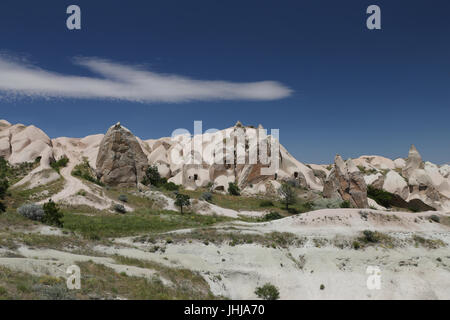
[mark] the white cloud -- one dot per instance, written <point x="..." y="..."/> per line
<point x="124" y="82"/>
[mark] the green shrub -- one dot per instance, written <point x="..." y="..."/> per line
<point x="123" y="198"/>
<point x="61" y="163"/>
<point x="233" y="189"/>
<point x="266" y="203"/>
<point x="272" y="216"/>
<point x="382" y="197"/>
<point x="84" y="171"/>
<point x="52" y="215"/>
<point x="119" y="208"/>
<point x="170" y="186"/>
<point x="152" y="177"/>
<point x="345" y="204"/>
<point x="435" y="218"/>
<point x="268" y="292"/>
<point x="207" y="196"/>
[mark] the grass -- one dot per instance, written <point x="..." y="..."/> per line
<point x="15" y="173"/>
<point x="133" y="200"/>
<point x="211" y="235"/>
<point x="100" y="282"/>
<point x="85" y="172"/>
<point x="104" y="282"/>
<point x="251" y="203"/>
<point x="186" y="282"/>
<point x="21" y="195"/>
<point x="17" y="285"/>
<point x="134" y="223"/>
<point x="428" y="243"/>
<point x="371" y="238"/>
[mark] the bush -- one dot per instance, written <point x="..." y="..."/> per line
<point x="61" y="163"/>
<point x="170" y="186"/>
<point x="31" y="211"/>
<point x="152" y="177"/>
<point x="119" y="208"/>
<point x="435" y="218"/>
<point x="324" y="203"/>
<point x="272" y="216"/>
<point x="370" y="236"/>
<point x="293" y="211"/>
<point x="207" y="196"/>
<point x="84" y="171"/>
<point x="123" y="198"/>
<point x="266" y="203"/>
<point x="345" y="204"/>
<point x="233" y="189"/>
<point x="52" y="215"/>
<point x="382" y="197"/>
<point x="268" y="292"/>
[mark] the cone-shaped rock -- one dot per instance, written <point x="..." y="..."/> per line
<point x="120" y="160"/>
<point x="413" y="162"/>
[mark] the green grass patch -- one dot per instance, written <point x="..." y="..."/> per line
<point x="21" y="195"/>
<point x="134" y="223"/>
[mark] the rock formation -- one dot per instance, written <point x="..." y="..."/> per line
<point x="413" y="162"/>
<point x="120" y="160"/>
<point x="346" y="182"/>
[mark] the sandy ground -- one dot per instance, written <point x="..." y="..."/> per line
<point x="235" y="271"/>
<point x="299" y="271"/>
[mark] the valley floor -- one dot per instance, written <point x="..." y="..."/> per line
<point x="315" y="255"/>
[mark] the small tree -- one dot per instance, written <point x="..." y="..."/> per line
<point x="287" y="195"/>
<point x="4" y="184"/>
<point x="268" y="292"/>
<point x="52" y="215"/>
<point x="233" y="189"/>
<point x="152" y="176"/>
<point x="182" y="201"/>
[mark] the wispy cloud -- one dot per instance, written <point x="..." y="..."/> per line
<point x="124" y="82"/>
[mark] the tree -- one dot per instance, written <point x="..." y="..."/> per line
<point x="287" y="195"/>
<point x="52" y="215"/>
<point x="268" y="292"/>
<point x="4" y="184"/>
<point x="182" y="200"/>
<point x="233" y="189"/>
<point x="152" y="177"/>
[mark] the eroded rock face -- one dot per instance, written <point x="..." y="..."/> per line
<point x="120" y="160"/>
<point x="346" y="182"/>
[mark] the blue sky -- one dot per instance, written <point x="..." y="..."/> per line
<point x="335" y="86"/>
